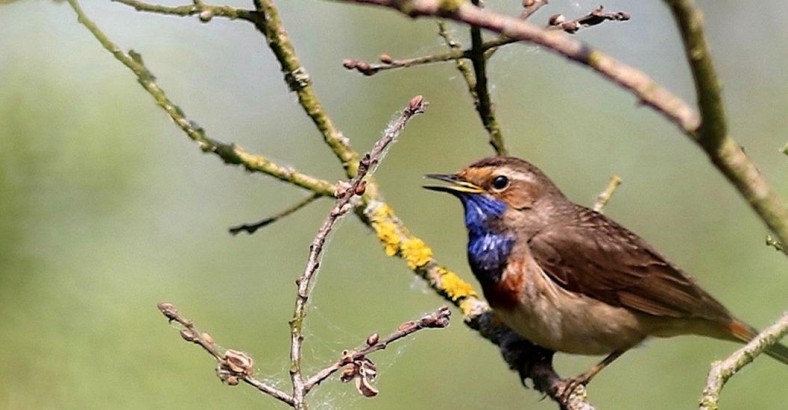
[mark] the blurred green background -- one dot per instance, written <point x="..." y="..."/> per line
<point x="106" y="208"/>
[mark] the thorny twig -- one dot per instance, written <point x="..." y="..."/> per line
<point x="374" y="343"/>
<point x="367" y="165"/>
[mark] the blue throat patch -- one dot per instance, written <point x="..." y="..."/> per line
<point x="488" y="250"/>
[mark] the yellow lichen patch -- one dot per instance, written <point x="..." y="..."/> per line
<point x="454" y="286"/>
<point x="415" y="252"/>
<point x="387" y="234"/>
<point x="381" y="218"/>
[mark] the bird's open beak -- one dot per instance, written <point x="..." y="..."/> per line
<point x="456" y="185"/>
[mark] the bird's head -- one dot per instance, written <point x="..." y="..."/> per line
<point x="502" y="190"/>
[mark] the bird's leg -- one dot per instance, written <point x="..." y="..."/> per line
<point x="569" y="385"/>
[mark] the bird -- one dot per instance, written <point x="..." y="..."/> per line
<point x="570" y="279"/>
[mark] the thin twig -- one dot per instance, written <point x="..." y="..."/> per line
<point x="253" y="227"/>
<point x="774" y="243"/>
<point x="205" y="11"/>
<point x="457" y="53"/>
<point x="342" y="206"/>
<point x="232" y="365"/>
<point x="530" y="7"/>
<point x="437" y="319"/>
<point x="722" y="371"/>
<point x="229" y="153"/>
<point x="595" y="17"/>
<point x="459" y="63"/>
<point x="604" y="196"/>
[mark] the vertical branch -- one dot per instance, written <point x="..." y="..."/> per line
<point x="343" y="206"/>
<point x="481" y="92"/>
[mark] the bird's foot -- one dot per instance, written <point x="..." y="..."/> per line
<point x="568" y="389"/>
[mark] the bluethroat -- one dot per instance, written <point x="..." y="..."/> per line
<point x="571" y="279"/>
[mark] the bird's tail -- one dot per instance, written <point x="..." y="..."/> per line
<point x="745" y="333"/>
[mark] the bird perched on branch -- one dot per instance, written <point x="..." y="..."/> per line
<point x="570" y="279"/>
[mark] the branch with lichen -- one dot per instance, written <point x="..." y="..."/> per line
<point x="722" y="371"/>
<point x="372" y="211"/>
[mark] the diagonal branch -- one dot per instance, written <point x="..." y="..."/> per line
<point x="437" y="319"/>
<point x="232" y="364"/>
<point x="266" y="20"/>
<point x="722" y="371"/>
<point x="229" y="153"/>
<point x="253" y="227"/>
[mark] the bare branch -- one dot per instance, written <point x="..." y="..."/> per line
<point x="722" y="371"/>
<point x="205" y="11"/>
<point x="342" y="206"/>
<point x="437" y="319"/>
<point x="530" y="7"/>
<point x="232" y="364"/>
<point x="604" y="196"/>
<point x="597" y="16"/>
<point x="648" y="92"/>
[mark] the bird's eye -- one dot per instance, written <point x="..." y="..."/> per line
<point x="500" y="182"/>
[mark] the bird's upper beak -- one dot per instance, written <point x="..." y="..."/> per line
<point x="456" y="185"/>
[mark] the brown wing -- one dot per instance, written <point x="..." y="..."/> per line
<point x="597" y="257"/>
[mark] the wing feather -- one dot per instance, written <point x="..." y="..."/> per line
<point x="593" y="255"/>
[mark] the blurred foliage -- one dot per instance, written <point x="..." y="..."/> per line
<point x="105" y="209"/>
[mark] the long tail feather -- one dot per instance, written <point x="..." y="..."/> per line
<point x="745" y="333"/>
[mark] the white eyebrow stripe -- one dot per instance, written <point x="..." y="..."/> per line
<point x="518" y="176"/>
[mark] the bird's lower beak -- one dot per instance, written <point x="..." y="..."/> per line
<point x="456" y="184"/>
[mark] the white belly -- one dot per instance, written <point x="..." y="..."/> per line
<point x="559" y="320"/>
